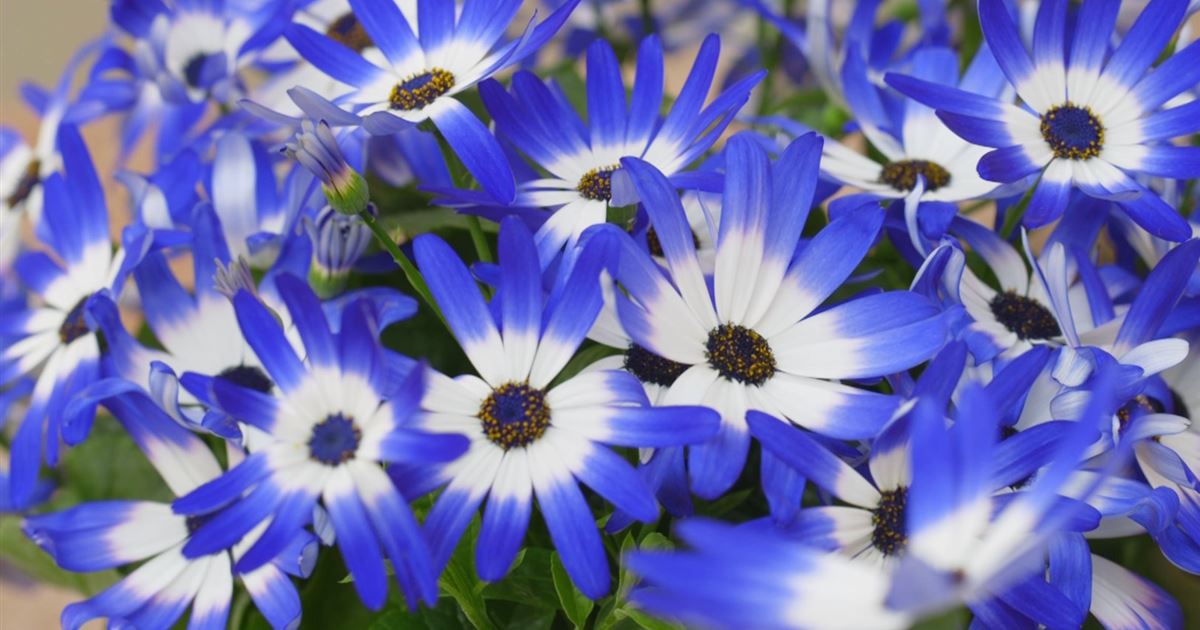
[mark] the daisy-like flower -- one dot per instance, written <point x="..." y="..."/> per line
<point x="185" y="54"/>
<point x="1092" y="120"/>
<point x="326" y="428"/>
<point x="737" y="577"/>
<point x="581" y="159"/>
<point x="110" y="534"/>
<point x="414" y="71"/>
<point x="529" y="436"/>
<point x="753" y="338"/>
<point x="55" y="334"/>
<point x="945" y="544"/>
<point x="926" y="165"/>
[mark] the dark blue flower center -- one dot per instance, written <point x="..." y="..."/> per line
<point x="1073" y="132"/>
<point x="29" y="179"/>
<point x="651" y="368"/>
<point x="740" y="354"/>
<point x="596" y="184"/>
<point x="248" y="376"/>
<point x="1024" y="316"/>
<point x="902" y="174"/>
<point x="334" y="440"/>
<point x="1139" y="406"/>
<point x="421" y="89"/>
<point x="890" y="534"/>
<point x="193" y="70"/>
<point x="515" y="414"/>
<point x="348" y="31"/>
<point x="74" y="325"/>
<point x="195" y="522"/>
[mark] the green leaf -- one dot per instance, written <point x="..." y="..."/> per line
<point x="950" y="620"/>
<point x="655" y="540"/>
<point x="645" y="621"/>
<point x="585" y="357"/>
<point x="108" y="466"/>
<point x="575" y="605"/>
<point x="528" y="583"/>
<point x="16" y="549"/>
<point x="459" y="581"/>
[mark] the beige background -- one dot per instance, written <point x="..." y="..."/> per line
<point x="36" y="39"/>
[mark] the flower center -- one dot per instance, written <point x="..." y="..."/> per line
<point x="248" y="376"/>
<point x="890" y="534"/>
<point x="29" y="179"/>
<point x="902" y="175"/>
<point x="1138" y="407"/>
<point x="651" y="368"/>
<point x="74" y="325"/>
<point x="348" y="31"/>
<point x="197" y="521"/>
<point x="193" y="70"/>
<point x="515" y="414"/>
<point x="740" y="354"/>
<point x="1073" y="132"/>
<point x="334" y="440"/>
<point x="1023" y="316"/>
<point x="421" y="89"/>
<point x="597" y="183"/>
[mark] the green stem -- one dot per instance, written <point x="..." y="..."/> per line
<point x="410" y="270"/>
<point x="1015" y="213"/>
<point x="482" y="249"/>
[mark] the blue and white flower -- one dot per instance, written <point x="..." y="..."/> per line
<point x="415" y="70"/>
<point x="111" y="534"/>
<point x="581" y="159"/>
<point x="739" y="344"/>
<point x="324" y="429"/>
<point x="1092" y="121"/>
<point x="54" y="338"/>
<point x="529" y="435"/>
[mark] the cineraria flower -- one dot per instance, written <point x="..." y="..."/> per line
<point x="24" y="167"/>
<point x="327" y="427"/>
<point x="55" y="335"/>
<point x="529" y="437"/>
<point x="754" y="341"/>
<point x="1090" y="124"/>
<point x="581" y="159"/>
<point x="736" y="577"/>
<point x="926" y="166"/>
<point x="109" y="534"/>
<point x="414" y="72"/>
<point x="950" y="546"/>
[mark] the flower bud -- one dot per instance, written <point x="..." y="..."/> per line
<point x="338" y="240"/>
<point x="317" y="150"/>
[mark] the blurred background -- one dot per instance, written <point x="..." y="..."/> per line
<point x="36" y="39"/>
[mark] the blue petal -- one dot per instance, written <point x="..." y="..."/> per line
<point x="1178" y="73"/>
<point x="274" y="595"/>
<point x="83" y="185"/>
<point x="436" y="20"/>
<point x="574" y="534"/>
<point x="503" y="530"/>
<point x="264" y="334"/>
<point x="334" y="59"/>
<point x="783" y="487"/>
<point x="477" y="148"/>
<point x="795" y="448"/>
<point x="1158" y="295"/>
<point x="290" y="515"/>
<point x="714" y="466"/>
<point x="982" y="131"/>
<point x="447" y="521"/>
<point x="359" y="547"/>
<point x="1004" y="41"/>
<point x="1144" y="41"/>
<point x="309" y="320"/>
<point x="647" y="91"/>
<point x="615" y="480"/>
<point x="605" y="96"/>
<point x="229" y="525"/>
<point x="224" y="489"/>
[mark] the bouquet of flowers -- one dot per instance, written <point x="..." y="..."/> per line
<point x="609" y="314"/>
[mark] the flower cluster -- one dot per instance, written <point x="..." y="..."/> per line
<point x="877" y="315"/>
